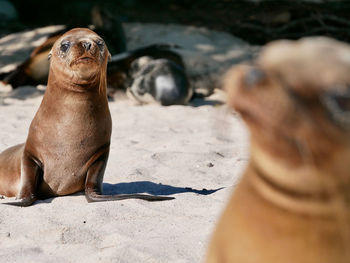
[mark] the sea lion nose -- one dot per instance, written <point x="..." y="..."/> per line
<point x="86" y="45"/>
<point x="253" y="77"/>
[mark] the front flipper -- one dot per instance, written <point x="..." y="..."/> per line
<point x="30" y="175"/>
<point x="19" y="202"/>
<point x="93" y="185"/>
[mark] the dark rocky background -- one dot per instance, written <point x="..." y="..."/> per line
<point x="254" y="21"/>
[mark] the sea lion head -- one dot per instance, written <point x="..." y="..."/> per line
<point x="79" y="56"/>
<point x="295" y="100"/>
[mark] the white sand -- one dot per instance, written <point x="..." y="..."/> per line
<point x="155" y="149"/>
<point x="150" y="145"/>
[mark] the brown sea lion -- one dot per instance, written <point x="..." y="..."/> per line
<point x="35" y="69"/>
<point x="293" y="201"/>
<point x="67" y="147"/>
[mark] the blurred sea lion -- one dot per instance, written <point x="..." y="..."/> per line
<point x="153" y="73"/>
<point x="67" y="147"/>
<point x="159" y="80"/>
<point x="293" y="201"/>
<point x="34" y="70"/>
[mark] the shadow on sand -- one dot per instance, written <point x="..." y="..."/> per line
<point x="152" y="189"/>
<point x="141" y="187"/>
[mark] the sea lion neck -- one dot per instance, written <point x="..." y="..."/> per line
<point x="305" y="189"/>
<point x="300" y="189"/>
<point x="73" y="84"/>
<point x="303" y="177"/>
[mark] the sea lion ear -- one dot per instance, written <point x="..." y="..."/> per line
<point x="49" y="56"/>
<point x="109" y="56"/>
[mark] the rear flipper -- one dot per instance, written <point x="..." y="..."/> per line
<point x="18" y="202"/>
<point x="30" y="174"/>
<point x="93" y="185"/>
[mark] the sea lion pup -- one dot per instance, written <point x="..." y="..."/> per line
<point x="67" y="147"/>
<point x="159" y="80"/>
<point x="154" y="73"/>
<point x="292" y="203"/>
<point x="35" y="69"/>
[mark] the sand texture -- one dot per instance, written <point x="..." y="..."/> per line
<point x="194" y="153"/>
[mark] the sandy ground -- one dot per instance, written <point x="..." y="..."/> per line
<point x="194" y="153"/>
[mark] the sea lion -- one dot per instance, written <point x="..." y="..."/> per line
<point x="159" y="80"/>
<point x="292" y="203"/>
<point x="67" y="147"/>
<point x="162" y="79"/>
<point x="34" y="70"/>
<point x="154" y="73"/>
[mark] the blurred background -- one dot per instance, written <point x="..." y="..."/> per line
<point x="203" y="38"/>
<point x="256" y="22"/>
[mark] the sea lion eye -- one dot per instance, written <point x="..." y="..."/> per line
<point x="100" y="44"/>
<point x="253" y="77"/>
<point x="64" y="46"/>
<point x="337" y="103"/>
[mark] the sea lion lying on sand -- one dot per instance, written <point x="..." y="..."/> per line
<point x="154" y="73"/>
<point x="292" y="203"/>
<point x="159" y="80"/>
<point x="67" y="147"/>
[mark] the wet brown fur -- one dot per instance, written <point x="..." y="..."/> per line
<point x="292" y="204"/>
<point x="67" y="147"/>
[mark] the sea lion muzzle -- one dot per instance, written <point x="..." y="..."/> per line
<point x="86" y="45"/>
